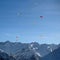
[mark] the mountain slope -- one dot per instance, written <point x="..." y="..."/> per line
<point x="4" y="56"/>
<point x="28" y="56"/>
<point x="55" y="55"/>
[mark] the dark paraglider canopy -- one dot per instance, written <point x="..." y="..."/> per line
<point x="41" y="17"/>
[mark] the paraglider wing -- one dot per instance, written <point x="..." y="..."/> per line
<point x="17" y="37"/>
<point x="41" y="17"/>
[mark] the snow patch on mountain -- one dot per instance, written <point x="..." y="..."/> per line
<point x="38" y="54"/>
<point x="1" y="50"/>
<point x="49" y="48"/>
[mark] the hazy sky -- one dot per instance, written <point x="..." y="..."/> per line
<point x="22" y="18"/>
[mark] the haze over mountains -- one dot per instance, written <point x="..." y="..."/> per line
<point x="28" y="51"/>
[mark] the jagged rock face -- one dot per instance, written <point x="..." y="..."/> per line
<point x="55" y="55"/>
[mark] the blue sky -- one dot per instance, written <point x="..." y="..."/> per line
<point x="22" y="18"/>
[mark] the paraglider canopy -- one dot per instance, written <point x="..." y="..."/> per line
<point x="41" y="17"/>
<point x="17" y="38"/>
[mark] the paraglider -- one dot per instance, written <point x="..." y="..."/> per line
<point x="41" y="17"/>
<point x="17" y="38"/>
<point x="19" y="14"/>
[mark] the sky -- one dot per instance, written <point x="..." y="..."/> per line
<point x="22" y="18"/>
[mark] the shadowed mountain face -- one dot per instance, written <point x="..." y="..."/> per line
<point x="55" y="55"/>
<point x="4" y="56"/>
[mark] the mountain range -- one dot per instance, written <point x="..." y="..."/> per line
<point x="29" y="51"/>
